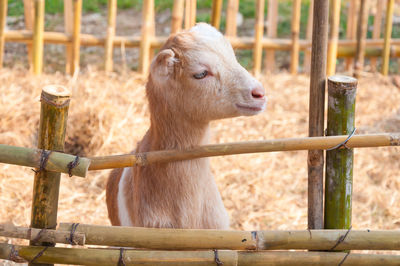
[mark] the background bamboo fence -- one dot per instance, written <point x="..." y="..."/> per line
<point x="355" y="46"/>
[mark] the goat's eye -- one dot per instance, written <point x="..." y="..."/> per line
<point x="201" y="75"/>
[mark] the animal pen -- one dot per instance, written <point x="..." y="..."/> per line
<point x="329" y="225"/>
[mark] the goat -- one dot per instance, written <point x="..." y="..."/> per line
<point x="195" y="78"/>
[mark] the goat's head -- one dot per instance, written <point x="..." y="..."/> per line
<point x="196" y="74"/>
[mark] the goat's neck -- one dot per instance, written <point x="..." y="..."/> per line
<point x="172" y="131"/>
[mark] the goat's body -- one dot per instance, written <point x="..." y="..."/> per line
<point x="175" y="195"/>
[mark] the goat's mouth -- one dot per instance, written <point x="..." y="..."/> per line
<point x="253" y="108"/>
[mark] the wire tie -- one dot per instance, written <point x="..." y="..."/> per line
<point x="71" y="165"/>
<point x="341" y="238"/>
<point x="121" y="261"/>
<point x="216" y="258"/>
<point x="343" y="144"/>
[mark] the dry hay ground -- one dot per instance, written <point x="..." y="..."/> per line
<point x="108" y="115"/>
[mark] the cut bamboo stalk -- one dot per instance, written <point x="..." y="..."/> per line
<point x="333" y="36"/>
<point x="177" y="16"/>
<point x="315" y="160"/>
<point x="38" y="37"/>
<point x="109" y="47"/>
<point x="272" y="28"/>
<point x="307" y="52"/>
<point x="362" y="27"/>
<point x="216" y="13"/>
<point x="147" y="30"/>
<point x="57" y="161"/>
<point x="388" y="34"/>
<point x="231" y="18"/>
<point x="227" y="257"/>
<point x="3" y="19"/>
<point x="41" y="235"/>
<point x="29" y="14"/>
<point x="76" y="39"/>
<point x="185" y="239"/>
<point x="25" y="36"/>
<point x="351" y="29"/>
<point x="339" y="162"/>
<point x="46" y="186"/>
<point x="294" y="144"/>
<point x="376" y="33"/>
<point x="68" y="28"/>
<point x="258" y="36"/>
<point x="294" y="55"/>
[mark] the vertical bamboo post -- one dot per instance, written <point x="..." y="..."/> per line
<point x="38" y="37"/>
<point x="362" y="27"/>
<point x="307" y="53"/>
<point x="68" y="28"/>
<point x="3" y="19"/>
<point x="388" y="34"/>
<point x="177" y="13"/>
<point x="376" y="33"/>
<point x="231" y="17"/>
<point x="352" y="15"/>
<point x="333" y="36"/>
<point x="294" y="57"/>
<point x="145" y="42"/>
<point x="216" y="13"/>
<point x="190" y="13"/>
<point x="53" y="123"/>
<point x="29" y="13"/>
<point x="339" y="161"/>
<point x="272" y="28"/>
<point x="258" y="32"/>
<point x="193" y="6"/>
<point x="76" y="36"/>
<point x="315" y="158"/>
<point x="109" y="45"/>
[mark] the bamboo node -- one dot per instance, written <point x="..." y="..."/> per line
<point x="216" y="258"/>
<point x="121" y="261"/>
<point x="141" y="159"/>
<point x="343" y="144"/>
<point x="44" y="157"/>
<point x="72" y="233"/>
<point x="341" y="239"/>
<point x="395" y="139"/>
<point x="71" y="165"/>
<point x="14" y="256"/>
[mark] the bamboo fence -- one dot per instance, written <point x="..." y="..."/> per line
<point x="184" y="11"/>
<point x="190" y="246"/>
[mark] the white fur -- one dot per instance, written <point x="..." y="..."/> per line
<point x="123" y="212"/>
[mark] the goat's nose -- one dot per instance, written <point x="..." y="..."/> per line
<point x="258" y="92"/>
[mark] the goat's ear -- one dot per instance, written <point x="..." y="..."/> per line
<point x="162" y="66"/>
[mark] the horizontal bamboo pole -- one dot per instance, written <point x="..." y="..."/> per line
<point x="30" y="157"/>
<point x="37" y="235"/>
<point x="225" y="257"/>
<point x="293" y="144"/>
<point x="58" y="162"/>
<point x="184" y="239"/>
<point x="346" y="48"/>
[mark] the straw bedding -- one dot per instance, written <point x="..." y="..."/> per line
<point x="109" y="114"/>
